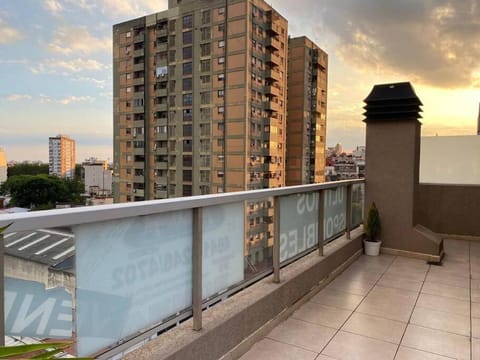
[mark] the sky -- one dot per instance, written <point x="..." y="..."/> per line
<point x="56" y="65"/>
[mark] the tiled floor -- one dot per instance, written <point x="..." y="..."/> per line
<point x="388" y="307"/>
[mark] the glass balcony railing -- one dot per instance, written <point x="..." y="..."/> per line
<point x="118" y="274"/>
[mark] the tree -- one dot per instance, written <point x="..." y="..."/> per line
<point x="41" y="191"/>
<point x="27" y="169"/>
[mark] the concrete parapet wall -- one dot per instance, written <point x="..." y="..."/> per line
<point x="449" y="209"/>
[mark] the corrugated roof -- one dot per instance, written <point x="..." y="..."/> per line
<point x="46" y="246"/>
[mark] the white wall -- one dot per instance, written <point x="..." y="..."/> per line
<point x="450" y="160"/>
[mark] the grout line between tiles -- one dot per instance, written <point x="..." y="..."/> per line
<point x="413" y="309"/>
<point x="355" y="309"/>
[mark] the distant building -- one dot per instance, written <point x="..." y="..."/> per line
<point x="359" y="153"/>
<point x="61" y="156"/>
<point x="338" y="149"/>
<point x="307" y="111"/>
<point x="97" y="177"/>
<point x="3" y="166"/>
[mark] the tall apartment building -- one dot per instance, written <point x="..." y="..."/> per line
<point x="61" y="156"/>
<point x="307" y="110"/>
<point x="199" y="100"/>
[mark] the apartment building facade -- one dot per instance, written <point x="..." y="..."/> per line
<point x="307" y="112"/>
<point x="61" y="156"/>
<point x="199" y="100"/>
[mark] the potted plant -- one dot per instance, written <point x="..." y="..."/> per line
<point x="373" y="227"/>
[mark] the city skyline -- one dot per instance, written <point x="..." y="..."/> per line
<point x="57" y="66"/>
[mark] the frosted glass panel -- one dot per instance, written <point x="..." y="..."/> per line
<point x="131" y="274"/>
<point x="223" y="234"/>
<point x="298" y="224"/>
<point x="334" y="222"/>
<point x="358" y="198"/>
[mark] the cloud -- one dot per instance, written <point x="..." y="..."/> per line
<point x="53" y="66"/>
<point x="434" y="42"/>
<point x="8" y="34"/>
<point x="53" y="6"/>
<point x="44" y="99"/>
<point x="69" y="40"/>
<point x="17" y="97"/>
<point x="132" y="8"/>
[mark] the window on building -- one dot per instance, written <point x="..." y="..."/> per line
<point x="221" y="60"/>
<point x="187" y="53"/>
<point x="187" y="84"/>
<point x="187" y="21"/>
<point x="205" y="49"/>
<point x="221" y="109"/>
<point x="221" y="28"/>
<point x="205" y="17"/>
<point x="221" y="93"/>
<point x="205" y="79"/>
<point x="221" y="11"/>
<point x="187" y="115"/>
<point x="187" y="130"/>
<point x="171" y="56"/>
<point x="128" y="34"/>
<point x="205" y="98"/>
<point x="187" y="68"/>
<point x="187" y="99"/>
<point x="187" y="37"/>
<point x="204" y="65"/>
<point x="206" y="33"/>
<point x="221" y="43"/>
<point x="221" y="77"/>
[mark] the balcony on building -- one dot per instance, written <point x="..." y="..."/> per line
<point x="274" y="271"/>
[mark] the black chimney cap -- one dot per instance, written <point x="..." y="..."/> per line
<point x="396" y="101"/>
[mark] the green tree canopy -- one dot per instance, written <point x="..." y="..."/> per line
<point x="41" y="191"/>
<point x="27" y="169"/>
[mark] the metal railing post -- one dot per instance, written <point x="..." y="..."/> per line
<point x="197" y="269"/>
<point x="276" y="240"/>
<point x="348" y="217"/>
<point x="321" y="215"/>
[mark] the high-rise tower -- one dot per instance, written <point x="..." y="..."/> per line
<point x="61" y="156"/>
<point x="307" y="111"/>
<point x="199" y="100"/>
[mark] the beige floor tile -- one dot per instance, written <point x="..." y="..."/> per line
<point x="446" y="290"/>
<point x="475" y="349"/>
<point x="268" y="349"/>
<point x="455" y="269"/>
<point x="476" y="327"/>
<point x="405" y="353"/>
<point x="393" y="295"/>
<point x="437" y="342"/>
<point x="375" y="327"/>
<point x="338" y="299"/>
<point x="441" y="303"/>
<point x="448" y="279"/>
<point x="324" y="357"/>
<point x="397" y="282"/>
<point x="350" y="286"/>
<point x="410" y="262"/>
<point x="407" y="274"/>
<point x="476" y="309"/>
<point x="353" y="274"/>
<point x="441" y="320"/>
<point x="475" y="295"/>
<point x="387" y="308"/>
<point x="475" y="284"/>
<point x="322" y="315"/>
<point x="352" y="346"/>
<point x="302" y="334"/>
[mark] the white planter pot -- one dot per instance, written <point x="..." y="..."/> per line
<point x="372" y="248"/>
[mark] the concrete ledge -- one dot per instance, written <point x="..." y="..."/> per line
<point x="233" y="325"/>
<point x="412" y="254"/>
